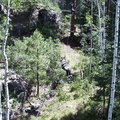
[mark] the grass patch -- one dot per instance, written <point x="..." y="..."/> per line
<point x="62" y="96"/>
<point x="73" y="97"/>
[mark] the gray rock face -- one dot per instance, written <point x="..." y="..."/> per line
<point x="52" y="16"/>
<point x="19" y="86"/>
<point x="24" y="23"/>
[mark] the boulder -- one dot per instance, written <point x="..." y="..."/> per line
<point x="19" y="86"/>
<point x="52" y="16"/>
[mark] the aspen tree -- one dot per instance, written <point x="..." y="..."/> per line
<point x="6" y="60"/>
<point x="115" y="55"/>
<point x="100" y="24"/>
<point x="91" y="41"/>
<point x="102" y="40"/>
<point x="103" y="55"/>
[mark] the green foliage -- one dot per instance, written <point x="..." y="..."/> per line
<point x="37" y="57"/>
<point x="34" y="55"/>
<point x="80" y="87"/>
<point x="65" y="27"/>
<point x="54" y="118"/>
<point x="50" y="3"/>
<point x="2" y="23"/>
<point x="62" y="96"/>
<point x="49" y="30"/>
<point x="24" y="4"/>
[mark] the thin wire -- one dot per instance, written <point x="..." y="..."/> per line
<point x="113" y="2"/>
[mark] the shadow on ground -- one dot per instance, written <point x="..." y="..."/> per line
<point x="73" y="43"/>
<point x="90" y="114"/>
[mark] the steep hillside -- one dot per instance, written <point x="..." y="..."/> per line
<point x="71" y="100"/>
<point x="39" y="88"/>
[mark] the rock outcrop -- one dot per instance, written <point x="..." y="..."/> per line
<point x="24" y="23"/>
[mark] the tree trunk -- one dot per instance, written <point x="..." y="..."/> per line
<point x="38" y="82"/>
<point x="6" y="61"/>
<point x="99" y="26"/>
<point x="103" y="56"/>
<point x="0" y="100"/>
<point x="108" y="7"/>
<point x="115" y="55"/>
<point x="101" y="43"/>
<point x="72" y="20"/>
<point x="91" y="41"/>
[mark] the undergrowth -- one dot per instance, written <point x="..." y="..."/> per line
<point x="73" y="98"/>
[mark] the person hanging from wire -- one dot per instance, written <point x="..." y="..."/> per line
<point x="72" y="8"/>
<point x="65" y="67"/>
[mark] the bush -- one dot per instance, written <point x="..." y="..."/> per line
<point x="62" y="96"/>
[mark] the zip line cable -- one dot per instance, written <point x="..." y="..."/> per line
<point x="113" y="2"/>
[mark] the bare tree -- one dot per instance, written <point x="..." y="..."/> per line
<point x="115" y="57"/>
<point x="6" y="60"/>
